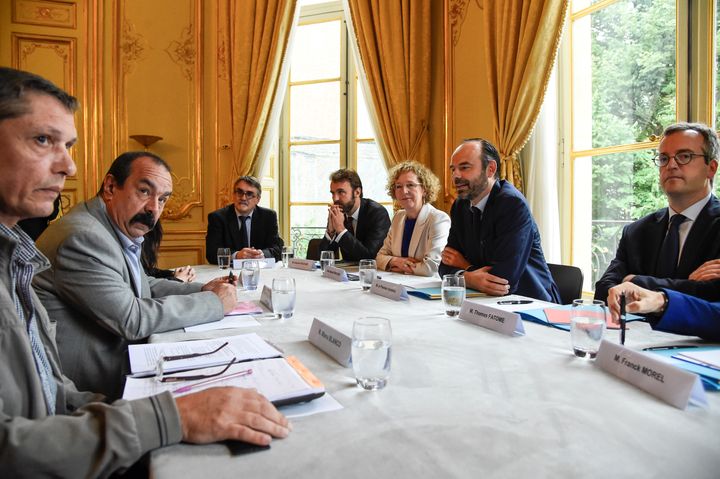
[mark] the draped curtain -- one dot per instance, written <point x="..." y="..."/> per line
<point x="394" y="40"/>
<point x="252" y="45"/>
<point x="521" y="39"/>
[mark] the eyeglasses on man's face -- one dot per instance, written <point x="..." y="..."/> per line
<point x="247" y="194"/>
<point x="682" y="158"/>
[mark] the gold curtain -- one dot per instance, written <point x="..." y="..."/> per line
<point x="253" y="38"/>
<point x="394" y="40"/>
<point x="521" y="39"/>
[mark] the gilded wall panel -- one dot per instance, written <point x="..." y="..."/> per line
<point x="49" y="56"/>
<point x="45" y="13"/>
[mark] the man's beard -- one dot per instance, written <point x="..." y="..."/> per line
<point x="346" y="207"/>
<point x="145" y="218"/>
<point x="475" y="186"/>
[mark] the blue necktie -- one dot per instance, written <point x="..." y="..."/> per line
<point x="670" y="250"/>
<point x="243" y="232"/>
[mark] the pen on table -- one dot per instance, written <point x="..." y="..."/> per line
<point x="666" y="348"/>
<point x="622" y="319"/>
<point x="231" y="277"/>
<point x="515" y="301"/>
<point x="190" y="387"/>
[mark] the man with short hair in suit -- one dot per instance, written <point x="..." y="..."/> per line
<point x="49" y="428"/>
<point x="673" y="248"/>
<point x="356" y="226"/>
<point x="249" y="230"/>
<point x="493" y="236"/>
<point x="97" y="290"/>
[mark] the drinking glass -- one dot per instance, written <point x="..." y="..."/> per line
<point x="223" y="258"/>
<point x="287" y="253"/>
<point x="371" y="352"/>
<point x="283" y="297"/>
<point x="327" y="258"/>
<point x="250" y="274"/>
<point x="367" y="271"/>
<point x="453" y="294"/>
<point x="587" y="326"/>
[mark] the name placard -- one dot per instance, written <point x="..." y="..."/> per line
<point x="299" y="263"/>
<point x="505" y="322"/>
<point x="333" y="272"/>
<point x="389" y="290"/>
<point x="263" y="263"/>
<point x="331" y="341"/>
<point x="664" y="381"/>
<point x="266" y="297"/>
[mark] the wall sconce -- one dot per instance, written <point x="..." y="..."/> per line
<point x="146" y="140"/>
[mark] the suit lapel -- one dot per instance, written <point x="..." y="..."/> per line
<point x="233" y="226"/>
<point x="653" y="240"/>
<point x="418" y="230"/>
<point x="694" y="246"/>
<point x="361" y="218"/>
<point x="255" y="228"/>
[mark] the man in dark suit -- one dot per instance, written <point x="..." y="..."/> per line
<point x="251" y="231"/>
<point x="356" y="226"/>
<point x="493" y="236"/>
<point x="668" y="248"/>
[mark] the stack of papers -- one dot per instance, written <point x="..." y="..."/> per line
<point x="703" y="361"/>
<point x="436" y="293"/>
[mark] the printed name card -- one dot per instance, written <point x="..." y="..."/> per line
<point x="664" y="381"/>
<point x="389" y="290"/>
<point x="333" y="272"/>
<point x="299" y="263"/>
<point x="266" y="297"/>
<point x="331" y="341"/>
<point x="504" y="322"/>
<point x="263" y="263"/>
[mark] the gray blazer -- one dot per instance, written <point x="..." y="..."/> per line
<point x="90" y="293"/>
<point x="83" y="438"/>
<point x="427" y="242"/>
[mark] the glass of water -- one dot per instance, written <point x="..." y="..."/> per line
<point x="453" y="293"/>
<point x="288" y="252"/>
<point x="371" y="352"/>
<point x="587" y="326"/>
<point x="283" y="297"/>
<point x="367" y="271"/>
<point x="327" y="258"/>
<point x="223" y="258"/>
<point x="250" y="274"/>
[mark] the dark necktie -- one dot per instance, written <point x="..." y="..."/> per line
<point x="243" y="232"/>
<point x="348" y="223"/>
<point x="670" y="250"/>
<point x="477" y="219"/>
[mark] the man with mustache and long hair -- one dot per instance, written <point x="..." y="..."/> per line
<point x="493" y="236"/>
<point x="97" y="290"/>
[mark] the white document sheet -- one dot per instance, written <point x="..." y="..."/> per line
<point x="144" y="357"/>
<point x="410" y="280"/>
<point x="326" y="403"/>
<point x="228" y="322"/>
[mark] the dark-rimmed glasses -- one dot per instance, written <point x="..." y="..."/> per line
<point x="682" y="158"/>
<point x="160" y="370"/>
<point x="247" y="194"/>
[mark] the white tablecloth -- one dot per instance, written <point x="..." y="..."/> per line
<point x="462" y="401"/>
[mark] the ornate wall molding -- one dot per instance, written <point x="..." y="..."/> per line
<point x="182" y="200"/>
<point x="183" y="52"/>
<point x="133" y="46"/>
<point x="47" y="13"/>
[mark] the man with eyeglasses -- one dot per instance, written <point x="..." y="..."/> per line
<point x="674" y="247"/>
<point x="48" y="428"/>
<point x="96" y="289"/>
<point x="249" y="230"/>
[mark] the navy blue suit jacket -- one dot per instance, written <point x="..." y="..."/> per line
<point x="224" y="232"/>
<point x="508" y="240"/>
<point x="690" y="316"/>
<point x="372" y="227"/>
<point x="639" y="249"/>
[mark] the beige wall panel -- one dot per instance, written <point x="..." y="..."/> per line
<point x="173" y="256"/>
<point x="46" y="13"/>
<point x="52" y="57"/>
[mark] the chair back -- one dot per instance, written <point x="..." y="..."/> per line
<point x="313" y="249"/>
<point x="569" y="280"/>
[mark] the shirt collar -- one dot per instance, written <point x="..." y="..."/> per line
<point x="249" y="215"/>
<point x="126" y="242"/>
<point x="692" y="211"/>
<point x="481" y="204"/>
<point x="26" y="249"/>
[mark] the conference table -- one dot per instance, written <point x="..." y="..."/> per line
<point x="462" y="401"/>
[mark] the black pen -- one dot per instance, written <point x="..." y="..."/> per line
<point x="231" y="277"/>
<point x="622" y="319"/>
<point x="666" y="348"/>
<point x="515" y="301"/>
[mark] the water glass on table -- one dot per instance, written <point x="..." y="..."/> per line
<point x="587" y="326"/>
<point x="283" y="297"/>
<point x="250" y="274"/>
<point x="371" y="352"/>
<point x="453" y="294"/>
<point x="223" y="258"/>
<point x="327" y="258"/>
<point x="367" y="270"/>
<point x="288" y="252"/>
